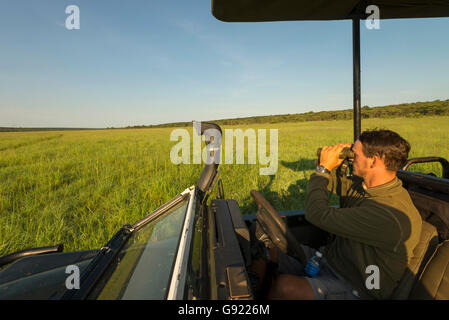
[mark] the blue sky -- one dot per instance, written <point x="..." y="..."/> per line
<point x="155" y="61"/>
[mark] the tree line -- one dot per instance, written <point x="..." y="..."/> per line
<point x="408" y="110"/>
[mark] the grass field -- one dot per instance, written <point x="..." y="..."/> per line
<point x="79" y="187"/>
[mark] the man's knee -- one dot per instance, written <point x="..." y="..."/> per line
<point x="290" y="287"/>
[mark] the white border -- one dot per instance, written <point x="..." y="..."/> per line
<point x="176" y="289"/>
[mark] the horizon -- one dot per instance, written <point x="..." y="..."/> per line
<point x="157" y="62"/>
<point x="209" y="120"/>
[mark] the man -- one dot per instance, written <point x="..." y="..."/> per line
<point x="374" y="231"/>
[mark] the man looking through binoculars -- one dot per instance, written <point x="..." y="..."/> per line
<point x="376" y="225"/>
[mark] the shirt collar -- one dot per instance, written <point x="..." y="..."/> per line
<point x="386" y="188"/>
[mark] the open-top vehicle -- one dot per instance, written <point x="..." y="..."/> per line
<point x="198" y="246"/>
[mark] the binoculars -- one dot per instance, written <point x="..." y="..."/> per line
<point x="344" y="154"/>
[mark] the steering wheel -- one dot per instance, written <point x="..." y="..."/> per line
<point x="276" y="229"/>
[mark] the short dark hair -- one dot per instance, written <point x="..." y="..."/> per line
<point x="386" y="144"/>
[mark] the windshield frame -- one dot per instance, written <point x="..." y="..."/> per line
<point x="179" y="269"/>
<point x="97" y="272"/>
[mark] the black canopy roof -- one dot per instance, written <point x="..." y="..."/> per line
<point x="283" y="10"/>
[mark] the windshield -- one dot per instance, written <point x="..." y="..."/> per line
<point x="144" y="267"/>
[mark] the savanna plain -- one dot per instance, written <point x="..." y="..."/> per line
<point x="79" y="187"/>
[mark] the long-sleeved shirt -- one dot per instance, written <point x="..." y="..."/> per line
<point x="376" y="226"/>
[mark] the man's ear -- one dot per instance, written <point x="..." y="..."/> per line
<point x="376" y="162"/>
<point x="372" y="162"/>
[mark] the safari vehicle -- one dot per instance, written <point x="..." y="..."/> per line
<point x="197" y="245"/>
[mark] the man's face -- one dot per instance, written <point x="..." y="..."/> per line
<point x="360" y="164"/>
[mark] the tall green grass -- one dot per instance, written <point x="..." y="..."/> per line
<point x="79" y="187"/>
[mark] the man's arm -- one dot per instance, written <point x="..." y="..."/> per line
<point x="338" y="184"/>
<point x="362" y="224"/>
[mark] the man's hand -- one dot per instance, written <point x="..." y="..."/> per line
<point x="329" y="157"/>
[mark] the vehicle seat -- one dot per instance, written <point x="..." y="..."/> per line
<point x="433" y="283"/>
<point x="421" y="254"/>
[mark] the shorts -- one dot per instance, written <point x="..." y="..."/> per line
<point x="327" y="285"/>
